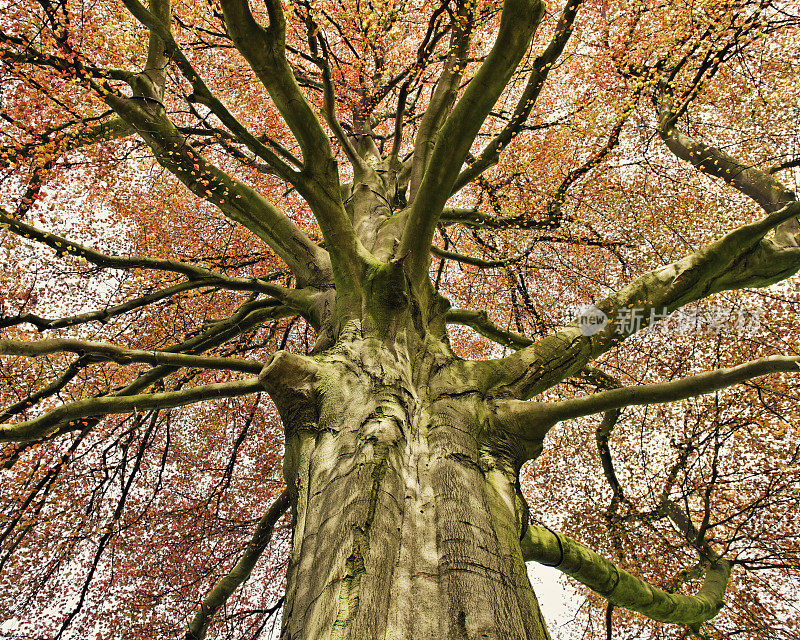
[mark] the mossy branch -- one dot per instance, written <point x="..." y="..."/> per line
<point x="621" y="588"/>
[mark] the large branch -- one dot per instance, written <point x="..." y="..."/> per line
<point x="265" y="51"/>
<point x="742" y="258"/>
<point x="240" y="572"/>
<point x="532" y="420"/>
<point x="622" y="589"/>
<point x="760" y="186"/>
<point x="307" y="261"/>
<point x="536" y="81"/>
<point x="47" y="423"/>
<point x="483" y="220"/>
<point x="518" y="22"/>
<point x="444" y="94"/>
<point x="236" y="200"/>
<point x="159" y="27"/>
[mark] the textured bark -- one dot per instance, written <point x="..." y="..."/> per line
<point x="407" y="521"/>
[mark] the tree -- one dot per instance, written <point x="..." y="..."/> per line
<point x="221" y="181"/>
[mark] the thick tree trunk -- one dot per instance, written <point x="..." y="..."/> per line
<point x="407" y="522"/>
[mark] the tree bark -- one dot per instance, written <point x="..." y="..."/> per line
<point x="407" y="520"/>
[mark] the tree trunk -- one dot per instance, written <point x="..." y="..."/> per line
<point x="407" y="520"/>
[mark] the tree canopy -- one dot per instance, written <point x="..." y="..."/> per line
<point x="579" y="215"/>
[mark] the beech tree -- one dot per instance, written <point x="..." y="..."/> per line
<point x="289" y="292"/>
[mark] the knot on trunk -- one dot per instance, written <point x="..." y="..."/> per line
<point x="291" y="381"/>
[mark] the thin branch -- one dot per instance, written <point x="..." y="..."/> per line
<point x="329" y="98"/>
<point x="113" y="129"/>
<point x="788" y="164"/>
<point x="240" y="572"/>
<point x="480" y="322"/>
<point x="397" y="136"/>
<point x="101" y="352"/>
<point x="101" y="315"/>
<point x="47" y="423"/>
<point x="54" y="387"/>
<point x="62" y="245"/>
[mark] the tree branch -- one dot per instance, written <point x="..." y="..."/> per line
<point x="622" y="589"/>
<point x="102" y="315"/>
<point x="518" y="22"/>
<point x="742" y="258"/>
<point x="763" y="188"/>
<point x="541" y="68"/>
<point x="760" y="186"/>
<point x="532" y="420"/>
<point x="47" y="423"/>
<point x="54" y="387"/>
<point x="239" y="202"/>
<point x="105" y="131"/>
<point x="241" y="571"/>
<point x="480" y="322"/>
<point x="265" y="51"/>
<point x="358" y="163"/>
<point x="198" y="276"/>
<point x="444" y="94"/>
<point x="482" y="220"/>
<point x="108" y="352"/>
